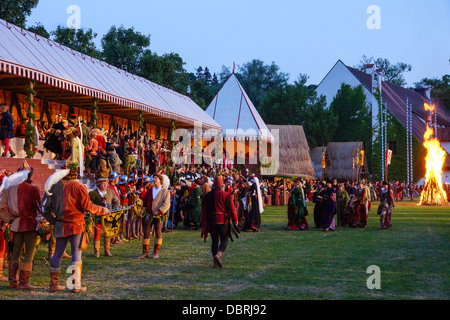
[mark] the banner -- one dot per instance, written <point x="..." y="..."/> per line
<point x="388" y="157"/>
<point x="113" y="224"/>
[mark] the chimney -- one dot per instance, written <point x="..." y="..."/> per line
<point x="370" y="68"/>
<point x="425" y="92"/>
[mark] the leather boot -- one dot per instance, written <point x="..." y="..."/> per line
<point x="218" y="258"/>
<point x="156" y="249"/>
<point x="54" y="280"/>
<point x="107" y="245"/>
<point x="96" y="249"/>
<point x="2" y="277"/>
<point x="13" y="274"/>
<point x="78" y="288"/>
<point x="24" y="276"/>
<point x="145" y="251"/>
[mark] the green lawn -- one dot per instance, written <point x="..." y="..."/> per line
<point x="413" y="257"/>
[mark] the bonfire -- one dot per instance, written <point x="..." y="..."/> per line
<point x="433" y="191"/>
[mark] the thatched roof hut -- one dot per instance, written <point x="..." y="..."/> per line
<point x="294" y="158"/>
<point x="316" y="158"/>
<point x="341" y="160"/>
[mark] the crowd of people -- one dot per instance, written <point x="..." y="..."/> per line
<point x="156" y="198"/>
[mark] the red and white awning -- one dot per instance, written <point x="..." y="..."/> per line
<point x="31" y="56"/>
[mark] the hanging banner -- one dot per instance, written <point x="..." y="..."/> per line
<point x="113" y="224"/>
<point x="388" y="157"/>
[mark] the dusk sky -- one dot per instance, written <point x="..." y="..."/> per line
<point x="299" y="36"/>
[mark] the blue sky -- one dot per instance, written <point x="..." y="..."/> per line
<point x="299" y="36"/>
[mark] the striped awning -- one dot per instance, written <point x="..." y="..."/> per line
<point x="28" y="55"/>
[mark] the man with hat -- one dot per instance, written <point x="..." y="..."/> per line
<point x="65" y="204"/>
<point x="105" y="197"/>
<point x="156" y="204"/>
<point x="217" y="210"/>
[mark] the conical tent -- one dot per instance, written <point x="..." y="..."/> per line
<point x="236" y="114"/>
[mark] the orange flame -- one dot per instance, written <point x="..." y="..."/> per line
<point x="433" y="192"/>
<point x="428" y="107"/>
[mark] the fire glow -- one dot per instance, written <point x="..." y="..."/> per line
<point x="433" y="192"/>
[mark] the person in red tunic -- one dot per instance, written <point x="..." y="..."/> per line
<point x="217" y="210"/>
<point x="24" y="231"/>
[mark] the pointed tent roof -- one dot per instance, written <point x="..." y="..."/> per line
<point x="235" y="112"/>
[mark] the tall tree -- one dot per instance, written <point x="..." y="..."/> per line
<point x="354" y="123"/>
<point x="393" y="72"/>
<point x="166" y="70"/>
<point x="297" y="104"/>
<point x="17" y="11"/>
<point x="40" y="30"/>
<point x="124" y="48"/>
<point x="77" y="39"/>
<point x="258" y="78"/>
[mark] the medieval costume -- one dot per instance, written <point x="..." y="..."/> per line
<point x="341" y="205"/>
<point x="386" y="205"/>
<point x="297" y="209"/>
<point x="152" y="160"/>
<point x="64" y="206"/>
<point x="218" y="212"/>
<point x="329" y="209"/>
<point x="77" y="150"/>
<point x="114" y="159"/>
<point x="104" y="168"/>
<point x="358" y="204"/>
<point x="6" y="130"/>
<point x="253" y="218"/>
<point x="24" y="212"/>
<point x="317" y="198"/>
<point x="106" y="198"/>
<point x="156" y="204"/>
<point x="195" y="204"/>
<point x="91" y="155"/>
<point x="55" y="137"/>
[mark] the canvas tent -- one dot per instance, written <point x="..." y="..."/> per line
<point x="236" y="114"/>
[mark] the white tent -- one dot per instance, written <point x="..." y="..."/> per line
<point x="232" y="109"/>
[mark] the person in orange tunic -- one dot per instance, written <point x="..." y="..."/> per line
<point x="64" y="206"/>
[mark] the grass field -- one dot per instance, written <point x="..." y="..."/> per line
<point x="413" y="257"/>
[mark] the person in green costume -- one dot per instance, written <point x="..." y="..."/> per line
<point x="195" y="203"/>
<point x="297" y="208"/>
